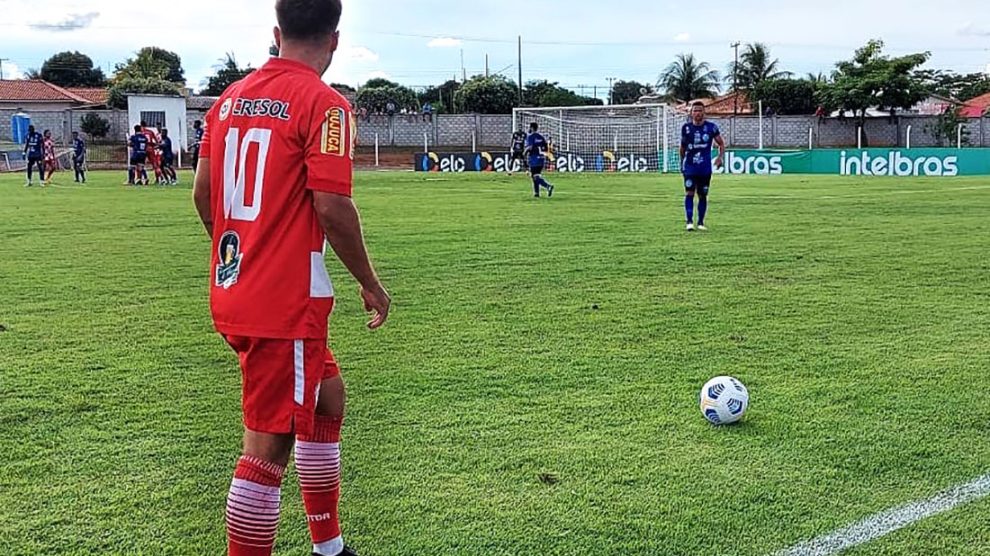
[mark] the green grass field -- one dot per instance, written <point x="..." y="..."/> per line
<point x="564" y="339"/>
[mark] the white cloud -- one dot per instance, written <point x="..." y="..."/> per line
<point x="682" y="37"/>
<point x="11" y="71"/>
<point x="973" y="30"/>
<point x="71" y="22"/>
<point x="444" y="42"/>
<point x="359" y="54"/>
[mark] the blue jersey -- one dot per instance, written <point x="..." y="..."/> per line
<point x="35" y="144"/>
<point x="199" y="137"/>
<point x="139" y="143"/>
<point x="518" y="141"/>
<point x="697" y="142"/>
<point x="166" y="147"/>
<point x="78" y="148"/>
<point x="536" y="145"/>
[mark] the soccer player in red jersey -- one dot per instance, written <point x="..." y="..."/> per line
<point x="51" y="161"/>
<point x="273" y="187"/>
<point x="154" y="158"/>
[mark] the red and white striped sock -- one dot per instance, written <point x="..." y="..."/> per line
<point x="318" y="464"/>
<point x="252" y="507"/>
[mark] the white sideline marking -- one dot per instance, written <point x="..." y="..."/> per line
<point x="888" y="521"/>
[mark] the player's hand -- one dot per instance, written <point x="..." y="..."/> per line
<point x="378" y="302"/>
<point x="718" y="161"/>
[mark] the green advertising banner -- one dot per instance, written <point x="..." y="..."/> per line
<point x="861" y="162"/>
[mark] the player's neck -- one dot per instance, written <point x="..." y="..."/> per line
<point x="305" y="54"/>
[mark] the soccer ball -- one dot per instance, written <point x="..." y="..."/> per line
<point x="724" y="400"/>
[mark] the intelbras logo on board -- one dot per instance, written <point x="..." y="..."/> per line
<point x="755" y="164"/>
<point x="895" y="163"/>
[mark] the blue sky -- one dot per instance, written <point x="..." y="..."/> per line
<point x="577" y="42"/>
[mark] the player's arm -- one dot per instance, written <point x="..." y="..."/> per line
<point x="329" y="168"/>
<point x="340" y="221"/>
<point x="201" y="195"/>
<point x="721" y="151"/>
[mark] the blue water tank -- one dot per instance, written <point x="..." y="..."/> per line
<point x="19" y="126"/>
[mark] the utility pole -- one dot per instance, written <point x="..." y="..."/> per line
<point x="610" y="81"/>
<point x="486" y="66"/>
<point x="2" y="60"/>
<point x="735" y="81"/>
<point x="519" y="65"/>
<point x="463" y="70"/>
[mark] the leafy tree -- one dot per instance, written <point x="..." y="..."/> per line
<point x="953" y="85"/>
<point x="119" y="89"/>
<point x="687" y="78"/>
<point x="377" y="93"/>
<point x="786" y="96"/>
<point x="945" y="128"/>
<point x="152" y="62"/>
<point x="380" y="83"/>
<point x="72" y="69"/>
<point x="871" y="79"/>
<point x="228" y="73"/>
<point x="94" y="125"/>
<point x="755" y="66"/>
<point x="816" y="77"/>
<point x="487" y="95"/>
<point x="628" y="92"/>
<point x="442" y="97"/>
<point x="545" y="93"/>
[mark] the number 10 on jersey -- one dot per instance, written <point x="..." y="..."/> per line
<point x="235" y="175"/>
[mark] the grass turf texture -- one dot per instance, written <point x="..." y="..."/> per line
<point x="535" y="391"/>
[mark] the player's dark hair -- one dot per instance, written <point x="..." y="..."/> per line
<point x="164" y="132"/>
<point x="30" y="129"/>
<point x="697" y="103"/>
<point x="144" y="124"/>
<point x="534" y="126"/>
<point x="307" y="19"/>
<point x="137" y="128"/>
<point x="197" y="123"/>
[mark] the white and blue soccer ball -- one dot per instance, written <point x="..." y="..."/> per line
<point x="724" y="400"/>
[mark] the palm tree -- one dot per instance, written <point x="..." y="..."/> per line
<point x="687" y="78"/>
<point x="755" y="66"/>
<point x="816" y="77"/>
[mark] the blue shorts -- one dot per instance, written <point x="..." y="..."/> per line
<point x="138" y="158"/>
<point x="535" y="170"/>
<point x="698" y="183"/>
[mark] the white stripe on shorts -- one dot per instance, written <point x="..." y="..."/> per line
<point x="300" y="372"/>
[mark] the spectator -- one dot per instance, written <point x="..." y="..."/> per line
<point x="363" y="114"/>
<point x="427" y="111"/>
<point x="820" y="114"/>
<point x="390" y="109"/>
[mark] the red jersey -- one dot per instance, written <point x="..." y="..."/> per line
<point x="272" y="139"/>
<point x="153" y="142"/>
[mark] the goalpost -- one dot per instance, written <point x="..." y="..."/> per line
<point x="616" y="138"/>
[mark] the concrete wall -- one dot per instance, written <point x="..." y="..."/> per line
<point x="459" y="131"/>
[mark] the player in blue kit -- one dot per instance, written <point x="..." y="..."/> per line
<point x="167" y="159"/>
<point x="79" y="157"/>
<point x="518" y="147"/>
<point x="536" y="146"/>
<point x="138" y="144"/>
<point x="34" y="146"/>
<point x="697" y="137"/>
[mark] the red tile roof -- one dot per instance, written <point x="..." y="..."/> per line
<point x="95" y="95"/>
<point x="975" y="107"/>
<point x="36" y="90"/>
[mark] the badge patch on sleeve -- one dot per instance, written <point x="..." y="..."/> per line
<point x="334" y="127"/>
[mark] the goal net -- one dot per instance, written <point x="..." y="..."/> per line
<point x="618" y="138"/>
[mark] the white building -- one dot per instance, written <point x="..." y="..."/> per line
<point x="160" y="111"/>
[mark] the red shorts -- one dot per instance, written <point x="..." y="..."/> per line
<point x="281" y="380"/>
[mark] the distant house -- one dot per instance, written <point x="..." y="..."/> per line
<point x="36" y="94"/>
<point x="934" y="105"/>
<point x="975" y="107"/>
<point x="200" y="103"/>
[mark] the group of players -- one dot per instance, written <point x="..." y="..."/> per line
<point x="698" y="136"/>
<point x="39" y="150"/>
<point x="149" y="148"/>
